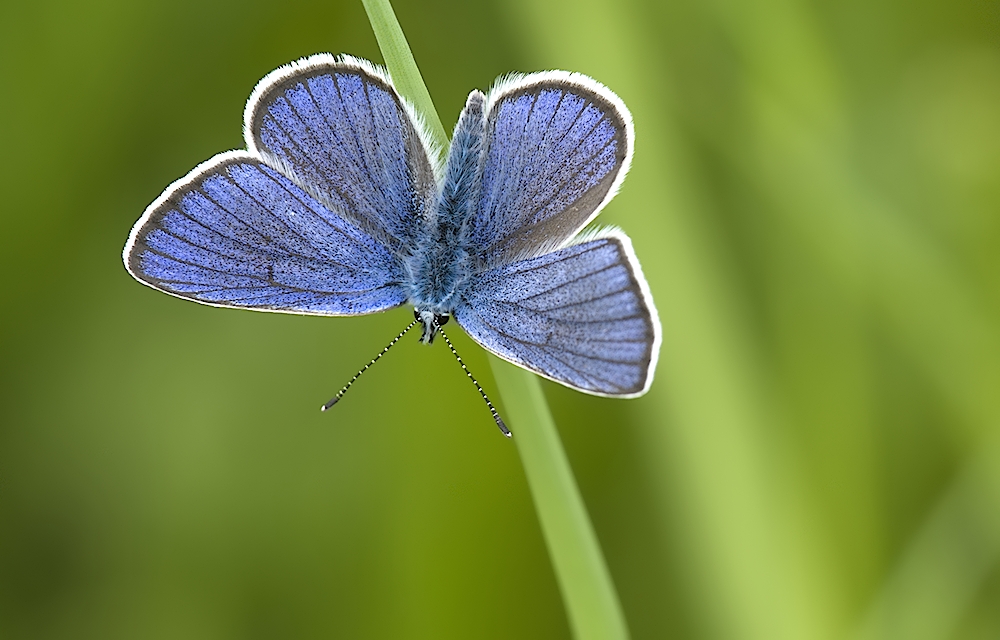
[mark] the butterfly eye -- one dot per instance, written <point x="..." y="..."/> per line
<point x="441" y="320"/>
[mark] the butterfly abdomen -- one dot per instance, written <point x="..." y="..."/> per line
<point x="441" y="267"/>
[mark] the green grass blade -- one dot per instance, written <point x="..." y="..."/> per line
<point x="402" y="67"/>
<point x="717" y="485"/>
<point x="588" y="592"/>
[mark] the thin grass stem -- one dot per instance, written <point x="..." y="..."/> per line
<point x="588" y="592"/>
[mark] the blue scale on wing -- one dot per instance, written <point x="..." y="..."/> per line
<point x="576" y="315"/>
<point x="588" y="164"/>
<point x="548" y="362"/>
<point x="534" y="114"/>
<point x="332" y="238"/>
<point x="504" y="136"/>
<point x="542" y="146"/>
<point x="244" y="235"/>
<point x="333" y="178"/>
<point x="375" y="121"/>
<point x="167" y="270"/>
<point x="303" y="150"/>
<point x="552" y="153"/>
<point x="343" y="135"/>
<point x="325" y="116"/>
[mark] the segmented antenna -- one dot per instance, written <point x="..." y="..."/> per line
<point x="496" y="416"/>
<point x="340" y="394"/>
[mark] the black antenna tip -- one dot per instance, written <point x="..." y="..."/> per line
<point x="329" y="404"/>
<point x="503" y="427"/>
<point x="496" y="416"/>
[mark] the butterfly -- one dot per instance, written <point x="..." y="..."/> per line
<point x="339" y="206"/>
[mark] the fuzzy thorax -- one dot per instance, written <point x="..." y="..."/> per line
<point x="440" y="269"/>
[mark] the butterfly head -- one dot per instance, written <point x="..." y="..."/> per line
<point x="431" y="322"/>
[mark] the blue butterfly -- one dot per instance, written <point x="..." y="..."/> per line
<point x="340" y="207"/>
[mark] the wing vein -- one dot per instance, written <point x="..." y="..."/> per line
<point x="265" y="253"/>
<point x="545" y="346"/>
<point x="579" y="302"/>
<point x="307" y="291"/>
<point x="207" y="268"/>
<point x="201" y="224"/>
<point x="537" y="184"/>
<point x="335" y="138"/>
<point x="569" y="282"/>
<point x="362" y="162"/>
<point x="547" y="351"/>
<point x="283" y="223"/>
<point x="347" y="237"/>
<point x="556" y="193"/>
<point x="328" y="183"/>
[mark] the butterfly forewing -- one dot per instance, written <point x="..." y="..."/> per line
<point x="237" y="233"/>
<point x="339" y="129"/>
<point x="581" y="316"/>
<point x="557" y="145"/>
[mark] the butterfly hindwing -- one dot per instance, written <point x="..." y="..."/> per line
<point x="581" y="316"/>
<point x="555" y="149"/>
<point x="339" y="129"/>
<point x="237" y="233"/>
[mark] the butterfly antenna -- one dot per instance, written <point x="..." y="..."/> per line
<point x="496" y="416"/>
<point x="340" y="394"/>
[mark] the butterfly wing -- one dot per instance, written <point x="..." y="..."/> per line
<point x="556" y="147"/>
<point x="581" y="316"/>
<point x="337" y="127"/>
<point x="316" y="217"/>
<point x="237" y="233"/>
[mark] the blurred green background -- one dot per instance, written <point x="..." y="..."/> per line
<point x="815" y="199"/>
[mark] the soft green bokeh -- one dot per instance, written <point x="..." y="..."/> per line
<point x="816" y="202"/>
